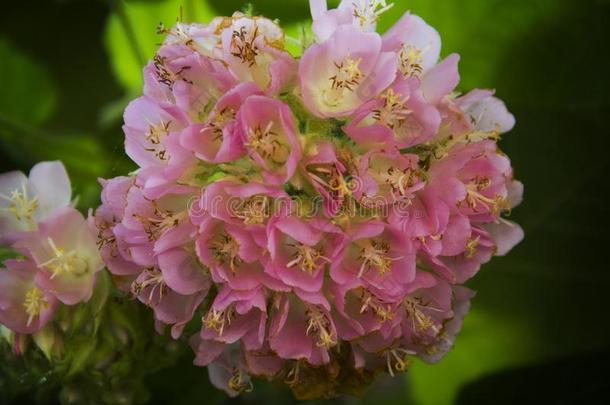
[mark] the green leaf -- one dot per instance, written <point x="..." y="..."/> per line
<point x="131" y="37"/>
<point x="28" y="94"/>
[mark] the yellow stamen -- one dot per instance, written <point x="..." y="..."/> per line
<point x="370" y="302"/>
<point x="421" y="321"/>
<point x="267" y="144"/>
<point x="397" y="360"/>
<point x="21" y="205"/>
<point x="64" y="262"/>
<point x="410" y="59"/>
<point x="163" y="220"/>
<point x="152" y="278"/>
<point x="394" y="112"/>
<point x="319" y="323"/>
<point x="375" y="255"/>
<point x="476" y="198"/>
<point x="253" y="210"/>
<point x="307" y="258"/>
<point x="239" y="382"/>
<point x="218" y="320"/>
<point x="471" y="247"/>
<point x="34" y="304"/>
<point x="367" y="12"/>
<point x="226" y="250"/>
<point x="243" y="46"/>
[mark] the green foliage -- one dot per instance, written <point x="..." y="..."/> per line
<point x="28" y="94"/>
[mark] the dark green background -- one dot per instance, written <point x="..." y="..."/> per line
<point x="537" y="332"/>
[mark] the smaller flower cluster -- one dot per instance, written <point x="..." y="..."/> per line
<point x="58" y="259"/>
<point x="315" y="218"/>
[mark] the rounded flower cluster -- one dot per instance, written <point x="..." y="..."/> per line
<point x="313" y="218"/>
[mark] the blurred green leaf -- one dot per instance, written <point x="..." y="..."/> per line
<point x="28" y="94"/>
<point x="480" y="31"/>
<point x="131" y="37"/>
<point x="84" y="156"/>
<point x="298" y="36"/>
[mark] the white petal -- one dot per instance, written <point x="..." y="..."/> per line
<point x="506" y="235"/>
<point x="50" y="182"/>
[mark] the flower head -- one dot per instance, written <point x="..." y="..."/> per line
<point x="316" y="218"/>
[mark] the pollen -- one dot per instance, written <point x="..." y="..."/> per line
<point x="394" y="112"/>
<point x="308" y="259"/>
<point x="253" y="210"/>
<point x="318" y="323"/>
<point x="420" y="321"/>
<point x="367" y="12"/>
<point x="239" y="382"/>
<point x="152" y="277"/>
<point x="161" y="222"/>
<point x="156" y="132"/>
<point x="20" y="204"/>
<point x="348" y="74"/>
<point x="477" y="200"/>
<point x="219" y="319"/>
<point x="374" y="255"/>
<point x="243" y="45"/>
<point x="399" y="180"/>
<point x="397" y="360"/>
<point x="471" y="247"/>
<point x="371" y="303"/>
<point x="410" y="59"/>
<point x="267" y="144"/>
<point x="34" y="303"/>
<point x="64" y="262"/>
<point x="226" y="250"/>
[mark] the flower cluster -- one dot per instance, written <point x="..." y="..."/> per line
<point x="313" y="217"/>
<point x="58" y="259"/>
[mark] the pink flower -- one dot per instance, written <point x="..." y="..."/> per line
<point x="417" y="45"/>
<point x="329" y="175"/>
<point x="301" y="252"/>
<point x="269" y="132"/>
<point x="147" y="126"/>
<point x="362" y="14"/>
<point x="345" y="71"/>
<point x="400" y="117"/>
<point x="237" y="316"/>
<point x="388" y="178"/>
<point x="218" y="140"/>
<point x="66" y="253"/>
<point x="232" y="254"/>
<point x="170" y="308"/>
<point x="25" y="307"/>
<point x="302" y="329"/>
<point x="254" y="50"/>
<point x="196" y="81"/>
<point x="249" y="205"/>
<point x="486" y="112"/>
<point x="114" y="251"/>
<point x="433" y="319"/>
<point x="377" y="254"/>
<point x="26" y="200"/>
